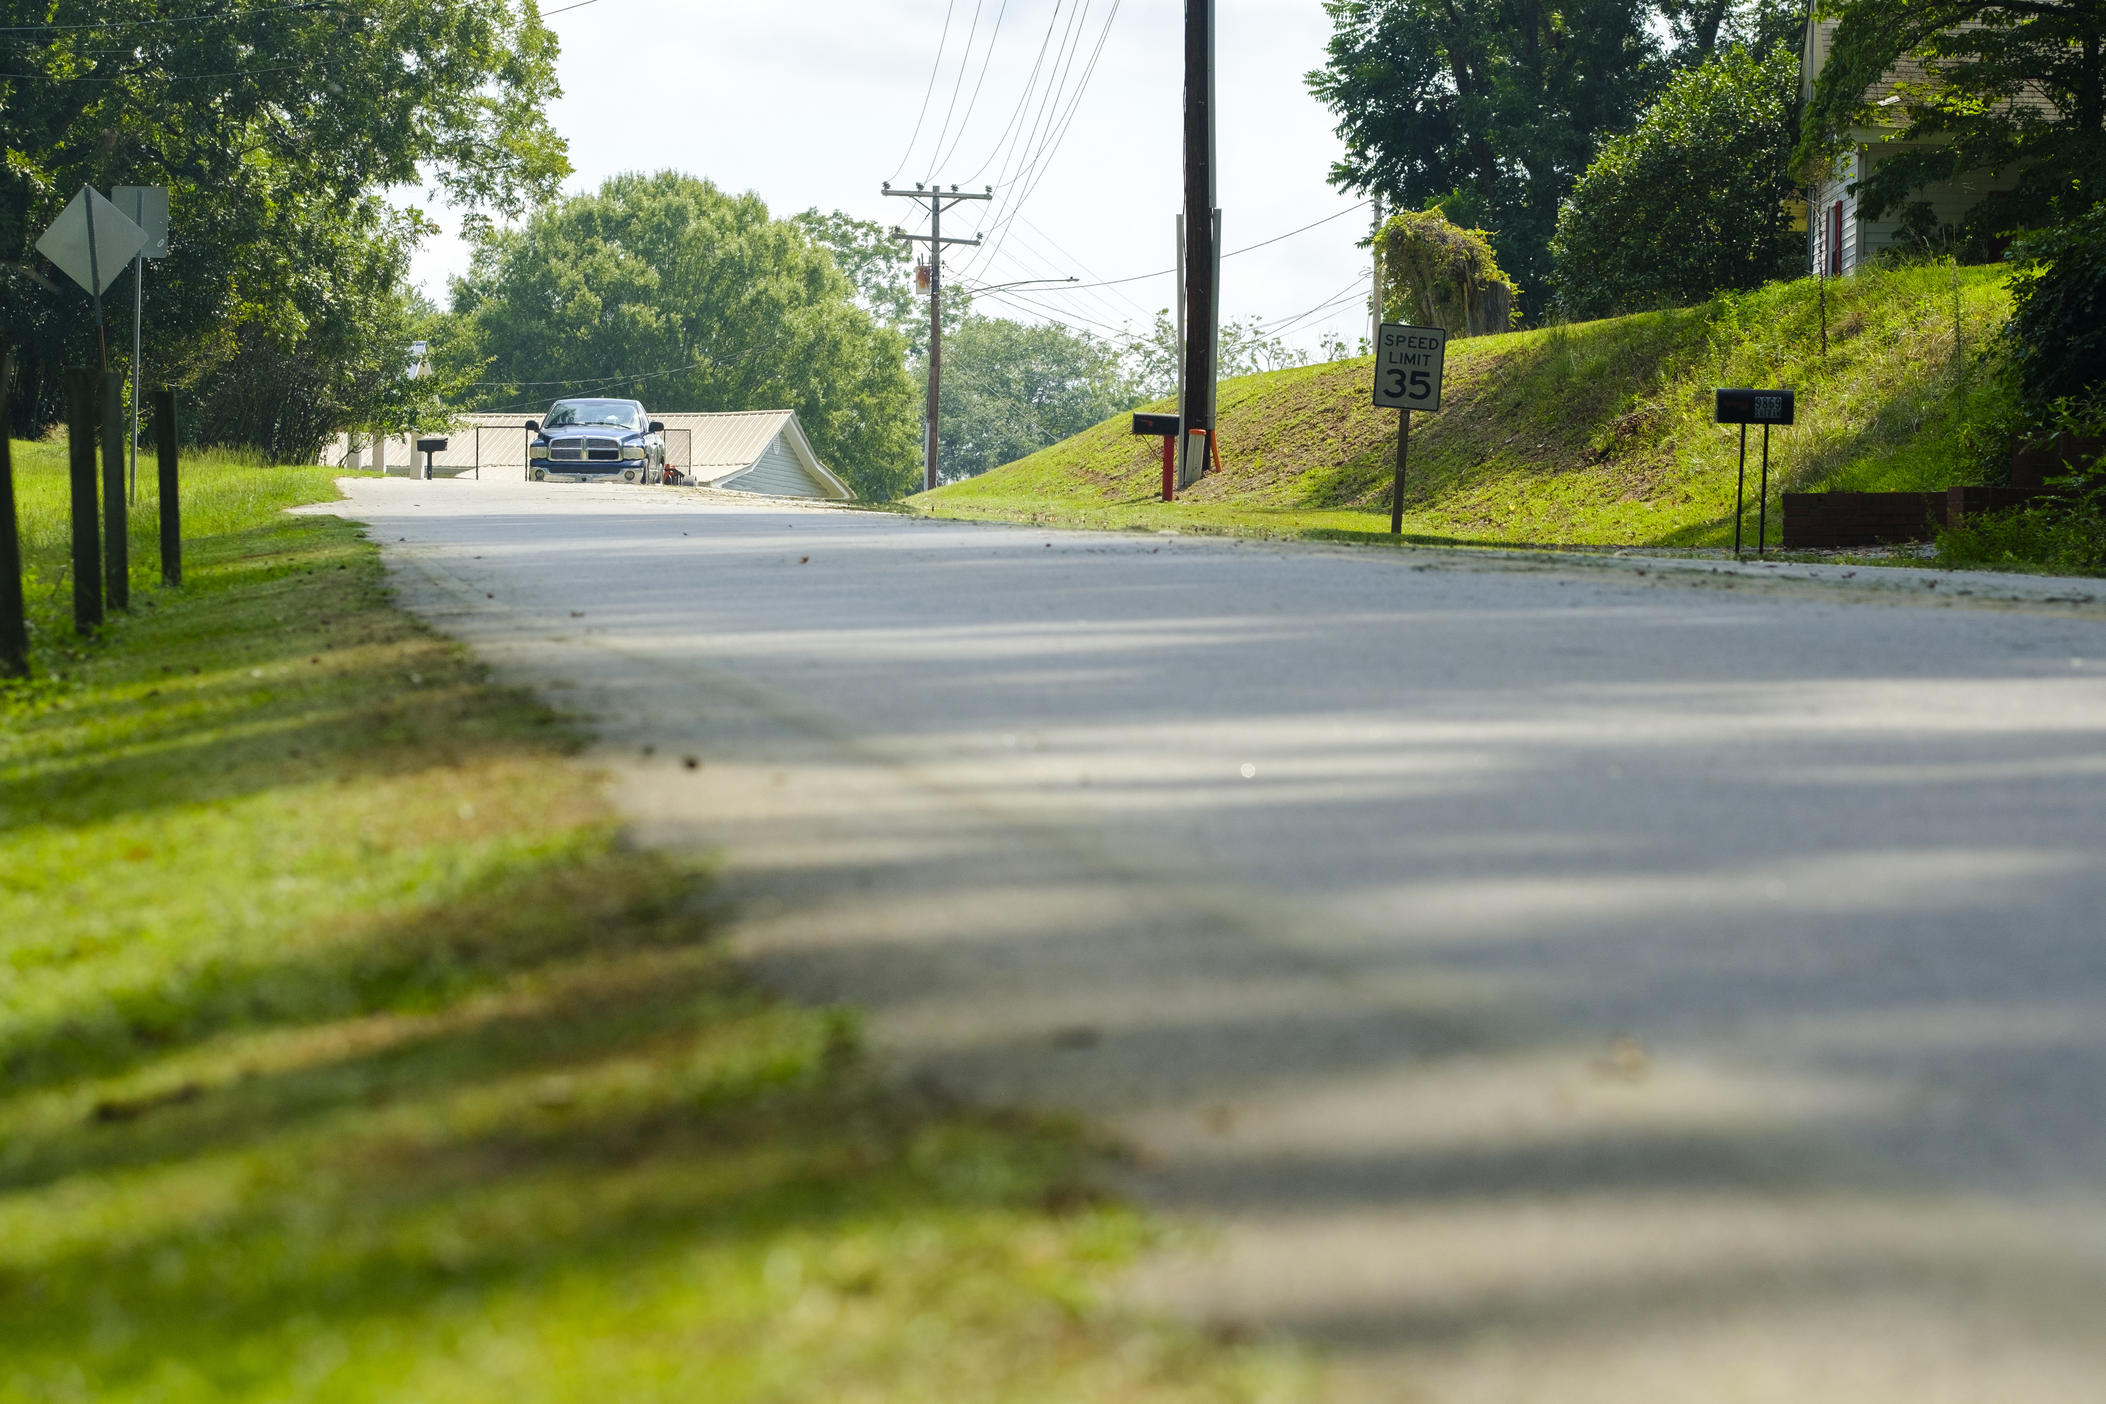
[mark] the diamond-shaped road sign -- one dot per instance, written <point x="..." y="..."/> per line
<point x="92" y="241"/>
<point x="147" y="207"/>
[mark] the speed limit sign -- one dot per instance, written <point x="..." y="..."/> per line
<point x="1407" y="377"/>
<point x="1408" y="366"/>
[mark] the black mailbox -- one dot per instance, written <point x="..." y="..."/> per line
<point x="1160" y="425"/>
<point x="428" y="447"/>
<point x="1754" y="407"/>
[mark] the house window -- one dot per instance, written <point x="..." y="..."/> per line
<point x="1835" y="240"/>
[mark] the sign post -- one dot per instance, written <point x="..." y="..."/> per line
<point x="147" y="207"/>
<point x="14" y="625"/>
<point x="1745" y="407"/>
<point x="1408" y="364"/>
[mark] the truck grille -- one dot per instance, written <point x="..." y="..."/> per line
<point x="583" y="450"/>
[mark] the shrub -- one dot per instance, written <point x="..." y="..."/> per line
<point x="1443" y="276"/>
<point x="1692" y="202"/>
<point x="2056" y="337"/>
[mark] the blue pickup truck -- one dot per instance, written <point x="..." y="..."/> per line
<point x="590" y="441"/>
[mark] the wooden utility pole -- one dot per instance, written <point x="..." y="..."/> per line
<point x="936" y="200"/>
<point x="1374" y="293"/>
<point x="1202" y="281"/>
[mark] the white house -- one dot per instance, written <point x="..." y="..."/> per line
<point x="757" y="451"/>
<point x="1839" y="239"/>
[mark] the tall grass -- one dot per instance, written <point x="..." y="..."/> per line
<point x="223" y="490"/>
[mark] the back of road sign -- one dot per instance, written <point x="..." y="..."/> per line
<point x="65" y="243"/>
<point x="1408" y="363"/>
<point x="147" y="207"/>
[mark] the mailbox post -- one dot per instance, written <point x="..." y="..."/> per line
<point x="428" y="447"/>
<point x="1167" y="426"/>
<point x="1745" y="407"/>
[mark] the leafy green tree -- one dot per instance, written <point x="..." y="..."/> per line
<point x="878" y="264"/>
<point x="2005" y="85"/>
<point x="1690" y="203"/>
<point x="252" y="115"/>
<point x="1489" y="109"/>
<point x="1011" y="388"/>
<point x="667" y="289"/>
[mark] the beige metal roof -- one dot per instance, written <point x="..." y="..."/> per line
<point x="724" y="441"/>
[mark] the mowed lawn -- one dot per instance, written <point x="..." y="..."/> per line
<point x="347" y="1052"/>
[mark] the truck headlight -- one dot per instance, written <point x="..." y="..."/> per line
<point x="537" y="451"/>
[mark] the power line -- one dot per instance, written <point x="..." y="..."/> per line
<point x="1023" y="97"/>
<point x="1247" y="248"/>
<point x="1040" y="162"/>
<point x="964" y="61"/>
<point x="928" y="92"/>
<point x="986" y="61"/>
<point x="250" y="13"/>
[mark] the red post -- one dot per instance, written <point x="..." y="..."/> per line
<point x="1169" y="467"/>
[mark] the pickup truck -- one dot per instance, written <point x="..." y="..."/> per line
<point x="589" y="441"/>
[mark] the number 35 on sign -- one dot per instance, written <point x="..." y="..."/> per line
<point x="1408" y="366"/>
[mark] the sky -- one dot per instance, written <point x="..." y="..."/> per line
<point x="813" y="103"/>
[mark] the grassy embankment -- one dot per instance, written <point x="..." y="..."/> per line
<point x="1597" y="433"/>
<point x="347" y="1053"/>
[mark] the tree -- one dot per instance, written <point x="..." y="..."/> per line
<point x="1489" y="109"/>
<point x="1692" y="201"/>
<point x="666" y="289"/>
<point x="2056" y="338"/>
<point x="1152" y="363"/>
<point x="874" y="261"/>
<point x="251" y="115"/>
<point x="1011" y="388"/>
<point x="2005" y="85"/>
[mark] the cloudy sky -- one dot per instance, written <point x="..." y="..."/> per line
<point x="814" y="102"/>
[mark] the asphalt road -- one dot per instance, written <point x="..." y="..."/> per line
<point x="1539" y="981"/>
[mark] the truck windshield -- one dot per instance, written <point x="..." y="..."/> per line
<point x="622" y="414"/>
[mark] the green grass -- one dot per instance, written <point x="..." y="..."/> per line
<point x="1594" y="434"/>
<point x="347" y="1053"/>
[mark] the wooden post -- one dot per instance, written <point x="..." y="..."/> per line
<point x="171" y="496"/>
<point x="116" y="520"/>
<point x="81" y="388"/>
<point x="14" y="623"/>
<point x="1396" y="495"/>
<point x="1202" y="251"/>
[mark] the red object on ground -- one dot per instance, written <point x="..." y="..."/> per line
<point x="1169" y="467"/>
<point x="1214" y="450"/>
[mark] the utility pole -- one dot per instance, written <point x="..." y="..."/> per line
<point x="1202" y="264"/>
<point x="1374" y="294"/>
<point x="935" y="199"/>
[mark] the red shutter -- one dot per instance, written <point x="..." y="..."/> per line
<point x="1835" y="240"/>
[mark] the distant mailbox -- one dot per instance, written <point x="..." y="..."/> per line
<point x="1162" y="425"/>
<point x="431" y="446"/>
<point x="1754" y="407"/>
